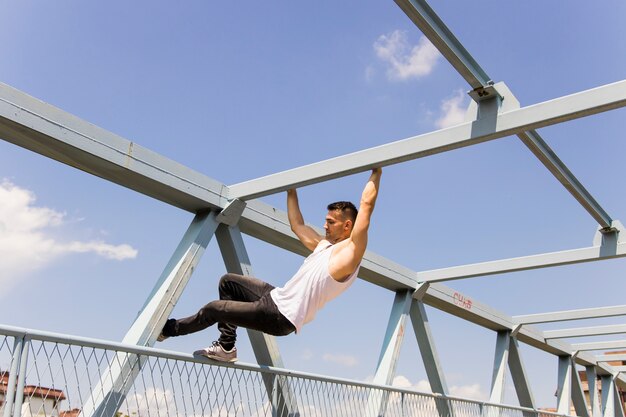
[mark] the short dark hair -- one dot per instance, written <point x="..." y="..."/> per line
<point x="346" y="208"/>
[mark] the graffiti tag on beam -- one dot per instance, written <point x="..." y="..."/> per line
<point x="462" y="301"/>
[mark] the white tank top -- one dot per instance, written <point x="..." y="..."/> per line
<point x="310" y="288"/>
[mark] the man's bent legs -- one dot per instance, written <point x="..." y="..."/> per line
<point x="244" y="301"/>
<point x="234" y="287"/>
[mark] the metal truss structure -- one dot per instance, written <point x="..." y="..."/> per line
<point x="227" y="211"/>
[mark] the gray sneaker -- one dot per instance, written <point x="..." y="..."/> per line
<point x="217" y="353"/>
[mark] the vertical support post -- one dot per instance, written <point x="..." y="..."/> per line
<point x="9" y="397"/>
<point x="608" y="396"/>
<point x="426" y="345"/>
<point x="594" y="392"/>
<point x="500" y="361"/>
<point x="619" y="405"/>
<point x="564" y="390"/>
<point x="264" y="346"/>
<point x="390" y="352"/>
<point x="21" y="378"/>
<point x="518" y="373"/>
<point x="394" y="336"/>
<point x="578" y="395"/>
<point x="108" y="395"/>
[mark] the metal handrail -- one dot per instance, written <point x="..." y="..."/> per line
<point x="85" y="342"/>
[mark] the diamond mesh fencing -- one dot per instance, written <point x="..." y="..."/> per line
<point x="64" y="376"/>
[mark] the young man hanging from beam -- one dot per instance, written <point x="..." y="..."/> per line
<point x="331" y="268"/>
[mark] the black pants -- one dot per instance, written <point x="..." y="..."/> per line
<point x="244" y="301"/>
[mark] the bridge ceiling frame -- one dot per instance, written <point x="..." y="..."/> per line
<point x="54" y="133"/>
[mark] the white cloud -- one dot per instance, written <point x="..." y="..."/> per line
<point x="404" y="61"/>
<point x="452" y="110"/>
<point x="344" y="360"/>
<point x="26" y="241"/>
<point x="472" y="391"/>
<point x="401" y="381"/>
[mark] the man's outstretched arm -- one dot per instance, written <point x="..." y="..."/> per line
<point x="361" y="225"/>
<point x="307" y="235"/>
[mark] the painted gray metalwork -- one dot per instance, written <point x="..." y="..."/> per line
<point x="174" y="384"/>
<point x="483" y="90"/>
<point x="264" y="346"/>
<point x="500" y="361"/>
<point x="559" y="110"/>
<point x="585" y="331"/>
<point x="578" y="394"/>
<point x="592" y="388"/>
<point x="587" y="313"/>
<point x="108" y="394"/>
<point x="609" y="344"/>
<point x="390" y="352"/>
<point x="51" y="132"/>
<point x="518" y="374"/>
<point x="564" y="390"/>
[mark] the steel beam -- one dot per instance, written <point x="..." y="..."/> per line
<point x="610" y="344"/>
<point x="444" y="40"/>
<point x="430" y="357"/>
<point x="611" y="358"/>
<point x="56" y="134"/>
<point x="550" y="160"/>
<point x="587" y="313"/>
<point x="51" y="132"/>
<point x="564" y="390"/>
<point x="390" y="351"/>
<point x="608" y="395"/>
<point x="264" y="346"/>
<point x="501" y="359"/>
<point x="594" y="392"/>
<point x="109" y="393"/>
<point x="508" y="123"/>
<point x="519" y="376"/>
<point x="394" y="336"/>
<point x="585" y="331"/>
<point x="544" y="260"/>
<point x="578" y="394"/>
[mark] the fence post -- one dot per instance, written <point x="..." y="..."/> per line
<point x="21" y="377"/>
<point x="15" y="364"/>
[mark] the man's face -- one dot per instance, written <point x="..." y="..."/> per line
<point x="337" y="228"/>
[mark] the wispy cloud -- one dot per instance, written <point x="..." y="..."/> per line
<point x="26" y="241"/>
<point x="452" y="110"/>
<point x="404" y="60"/>
<point x="470" y="391"/>
<point x="343" y="360"/>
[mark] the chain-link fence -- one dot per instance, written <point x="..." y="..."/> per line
<point x="44" y="374"/>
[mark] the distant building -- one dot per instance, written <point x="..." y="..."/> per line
<point x="37" y="400"/>
<point x="585" y="383"/>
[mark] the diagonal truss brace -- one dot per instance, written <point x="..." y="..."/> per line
<point x="507" y="353"/>
<point x="264" y="346"/>
<point x="109" y="393"/>
<point x="611" y="401"/>
<point x="423" y="16"/>
<point x="430" y="357"/>
<point x="390" y="351"/>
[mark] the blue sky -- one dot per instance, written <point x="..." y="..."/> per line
<point x="237" y="91"/>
